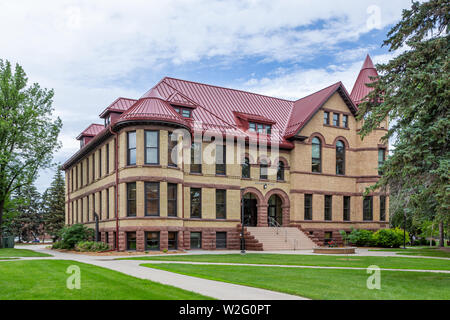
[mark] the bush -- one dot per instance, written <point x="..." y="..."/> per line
<point x="71" y="235"/>
<point x="389" y="238"/>
<point x="361" y="238"/>
<point x="91" y="246"/>
<point x="57" y="245"/>
<point x="423" y="242"/>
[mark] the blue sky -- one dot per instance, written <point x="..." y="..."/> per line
<point x="92" y="52"/>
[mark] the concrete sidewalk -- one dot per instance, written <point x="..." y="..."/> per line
<point x="215" y="289"/>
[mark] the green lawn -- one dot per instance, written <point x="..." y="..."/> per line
<point x="422" y="251"/>
<point x="9" y="252"/>
<point x="46" y="279"/>
<point x="310" y="260"/>
<point x="323" y="283"/>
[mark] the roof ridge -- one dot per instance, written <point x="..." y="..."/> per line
<point x="231" y="125"/>
<point x="226" y="88"/>
<point x="311" y="94"/>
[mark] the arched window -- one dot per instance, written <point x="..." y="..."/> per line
<point x="316" y="155"/>
<point x="280" y="171"/>
<point x="340" y="158"/>
<point x="246" y="169"/>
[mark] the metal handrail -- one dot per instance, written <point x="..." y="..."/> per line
<point x="274" y="223"/>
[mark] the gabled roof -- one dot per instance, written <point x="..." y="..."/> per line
<point x="253" y="117"/>
<point x="119" y="105"/>
<point x="91" y="131"/>
<point x="360" y="90"/>
<point x="154" y="109"/>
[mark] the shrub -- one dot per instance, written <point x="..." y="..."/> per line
<point x="389" y="238"/>
<point x="361" y="238"/>
<point x="71" y="235"/>
<point x="57" y="245"/>
<point x="91" y="246"/>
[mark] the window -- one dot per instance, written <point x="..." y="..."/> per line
<point x="131" y="240"/>
<point x="328" y="206"/>
<point x="196" y="240"/>
<point x="381" y="158"/>
<point x="221" y="240"/>
<point x="81" y="210"/>
<point x="326" y="117"/>
<point x="131" y="199"/>
<point x="196" y="157"/>
<point x="100" y="163"/>
<point x="172" y="155"/>
<point x="107" y="203"/>
<point x="151" y="198"/>
<point x="260" y="128"/>
<point x="221" y="156"/>
<point x="107" y="158"/>
<point x="151" y="147"/>
<point x="340" y="158"/>
<point x="316" y="155"/>
<point x="87" y="170"/>
<point x="263" y="170"/>
<point x="82" y="173"/>
<point x="246" y="169"/>
<point x="336" y="119"/>
<point x="100" y="204"/>
<point x="172" y="240"/>
<point x="93" y="166"/>
<point x="368" y="208"/>
<point x="221" y="200"/>
<point x="152" y="241"/>
<point x="308" y="206"/>
<point x="327" y="237"/>
<point x="93" y="206"/>
<point x="346" y="207"/>
<point x="280" y="171"/>
<point x="345" y="121"/>
<point x="382" y="208"/>
<point x="196" y="203"/>
<point x="172" y="199"/>
<point x="131" y="148"/>
<point x="186" y="113"/>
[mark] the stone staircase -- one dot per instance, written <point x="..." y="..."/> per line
<point x="282" y="238"/>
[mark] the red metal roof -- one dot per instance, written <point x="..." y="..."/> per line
<point x="360" y="90"/>
<point x="91" y="131"/>
<point x="119" y="105"/>
<point x="152" y="109"/>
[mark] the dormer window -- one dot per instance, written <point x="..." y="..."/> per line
<point x="107" y="121"/>
<point x="82" y="143"/>
<point x="260" y="128"/>
<point x="184" y="112"/>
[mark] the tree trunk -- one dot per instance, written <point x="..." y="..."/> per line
<point x="441" y="234"/>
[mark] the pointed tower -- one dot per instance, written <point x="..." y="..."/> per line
<point x="360" y="90"/>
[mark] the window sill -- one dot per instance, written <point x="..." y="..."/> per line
<point x="336" y="127"/>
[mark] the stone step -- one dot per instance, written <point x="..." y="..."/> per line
<point x="284" y="238"/>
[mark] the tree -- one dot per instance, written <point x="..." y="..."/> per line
<point x="27" y="222"/>
<point x="412" y="90"/>
<point x="54" y="201"/>
<point x="28" y="132"/>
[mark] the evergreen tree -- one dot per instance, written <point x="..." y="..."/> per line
<point x="27" y="222"/>
<point x="413" y="91"/>
<point x="53" y="203"/>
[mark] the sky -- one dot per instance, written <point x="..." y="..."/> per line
<point x="91" y="52"/>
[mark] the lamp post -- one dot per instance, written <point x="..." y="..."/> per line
<point x="242" y="223"/>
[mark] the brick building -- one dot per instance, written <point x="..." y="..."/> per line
<point x="180" y="167"/>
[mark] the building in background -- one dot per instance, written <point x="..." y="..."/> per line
<point x="311" y="181"/>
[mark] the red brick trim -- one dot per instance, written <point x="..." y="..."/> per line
<point x="335" y="193"/>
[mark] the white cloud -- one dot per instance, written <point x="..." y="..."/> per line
<point x="90" y="52"/>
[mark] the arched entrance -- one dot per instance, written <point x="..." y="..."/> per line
<point x="250" y="210"/>
<point x="275" y="212"/>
